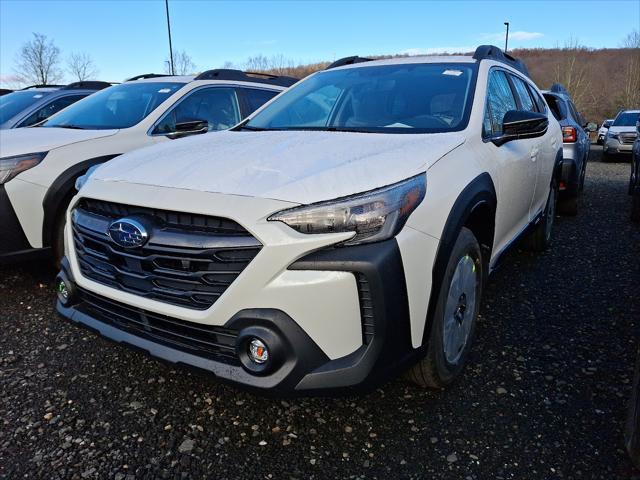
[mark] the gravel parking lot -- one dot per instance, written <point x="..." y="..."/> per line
<point x="545" y="396"/>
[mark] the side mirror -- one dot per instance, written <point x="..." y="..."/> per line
<point x="189" y="127"/>
<point x="519" y="124"/>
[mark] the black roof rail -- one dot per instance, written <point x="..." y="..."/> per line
<point x="43" y="85"/>
<point x="348" y="61"/>
<point x="147" y="75"/>
<point x="240" y="76"/>
<point x="491" y="52"/>
<point x="4" y="91"/>
<point x="87" y="85"/>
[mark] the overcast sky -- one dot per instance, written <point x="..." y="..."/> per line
<point x="126" y="38"/>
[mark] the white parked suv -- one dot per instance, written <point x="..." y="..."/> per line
<point x="39" y="165"/>
<point x="342" y="234"/>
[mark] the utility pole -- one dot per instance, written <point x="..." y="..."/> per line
<point x="506" y="38"/>
<point x="173" y="72"/>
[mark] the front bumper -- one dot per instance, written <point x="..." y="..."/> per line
<point x="300" y="365"/>
<point x="614" y="147"/>
<point x="14" y="245"/>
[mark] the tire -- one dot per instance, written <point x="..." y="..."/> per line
<point x="568" y="206"/>
<point x="540" y="238"/>
<point x="583" y="174"/>
<point x="635" y="208"/>
<point x="57" y="241"/>
<point x="606" y="158"/>
<point x="454" y="320"/>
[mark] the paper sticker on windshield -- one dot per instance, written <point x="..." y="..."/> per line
<point x="455" y="73"/>
<point x="38" y="96"/>
<point x="164" y="90"/>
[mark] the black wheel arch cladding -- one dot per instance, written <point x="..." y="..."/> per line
<point x="479" y="193"/>
<point x="61" y="188"/>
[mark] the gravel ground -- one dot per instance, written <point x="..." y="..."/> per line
<point x="544" y="398"/>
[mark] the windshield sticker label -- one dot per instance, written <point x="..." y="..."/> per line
<point x="455" y="73"/>
<point x="38" y="96"/>
<point x="164" y="90"/>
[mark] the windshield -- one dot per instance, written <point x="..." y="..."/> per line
<point x="626" y="119"/>
<point x="404" y="98"/>
<point x="13" y="103"/>
<point x="120" y="106"/>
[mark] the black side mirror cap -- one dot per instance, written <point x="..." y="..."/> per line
<point x="519" y="124"/>
<point x="189" y="127"/>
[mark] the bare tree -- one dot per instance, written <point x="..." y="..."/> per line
<point x="81" y="66"/>
<point x="632" y="40"/>
<point x="182" y="64"/>
<point x="258" y="63"/>
<point x="572" y="72"/>
<point x="38" y="61"/>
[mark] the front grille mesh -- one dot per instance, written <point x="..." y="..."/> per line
<point x="190" y="260"/>
<point x="628" y="138"/>
<point x="216" y="343"/>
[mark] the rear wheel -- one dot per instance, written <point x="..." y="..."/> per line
<point x="540" y="238"/>
<point x="455" y="316"/>
<point x="568" y="206"/>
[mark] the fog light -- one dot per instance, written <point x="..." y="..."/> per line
<point x="258" y="351"/>
<point x="64" y="290"/>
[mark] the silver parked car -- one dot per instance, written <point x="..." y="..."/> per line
<point x="621" y="135"/>
<point x="575" y="147"/>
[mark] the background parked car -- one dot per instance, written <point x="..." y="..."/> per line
<point x="39" y="166"/>
<point x="602" y="131"/>
<point x="634" y="183"/>
<point x="622" y="133"/>
<point x="34" y="104"/>
<point x="575" y="147"/>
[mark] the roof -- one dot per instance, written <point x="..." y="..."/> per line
<point x="412" y="60"/>
<point x="218" y="75"/>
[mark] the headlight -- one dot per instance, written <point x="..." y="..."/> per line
<point x="612" y="135"/>
<point x="12" y="166"/>
<point x="82" y="179"/>
<point x="373" y="216"/>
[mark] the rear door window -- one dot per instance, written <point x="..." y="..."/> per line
<point x="526" y="101"/>
<point x="255" y="98"/>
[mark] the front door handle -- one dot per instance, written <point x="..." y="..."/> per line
<point x="534" y="153"/>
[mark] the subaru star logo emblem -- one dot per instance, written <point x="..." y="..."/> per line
<point x="128" y="233"/>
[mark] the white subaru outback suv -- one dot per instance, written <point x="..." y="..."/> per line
<point x="39" y="166"/>
<point x="342" y="234"/>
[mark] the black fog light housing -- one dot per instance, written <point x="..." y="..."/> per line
<point x="65" y="290"/>
<point x="259" y="349"/>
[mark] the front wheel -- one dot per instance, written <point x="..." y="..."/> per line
<point x="455" y="316"/>
<point x="540" y="238"/>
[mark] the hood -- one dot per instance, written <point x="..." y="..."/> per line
<point x="43" y="139"/>
<point x="293" y="166"/>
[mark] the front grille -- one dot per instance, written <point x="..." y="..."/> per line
<point x="189" y="260"/>
<point x="216" y="343"/>
<point x="366" y="308"/>
<point x="628" y="138"/>
<point x="184" y="221"/>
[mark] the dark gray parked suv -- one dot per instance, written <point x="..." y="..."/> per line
<point x="32" y="105"/>
<point x="575" y="147"/>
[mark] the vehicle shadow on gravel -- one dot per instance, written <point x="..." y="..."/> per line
<point x="544" y="396"/>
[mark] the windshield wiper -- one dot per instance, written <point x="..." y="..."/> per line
<point x="74" y="127"/>
<point x="252" y="129"/>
